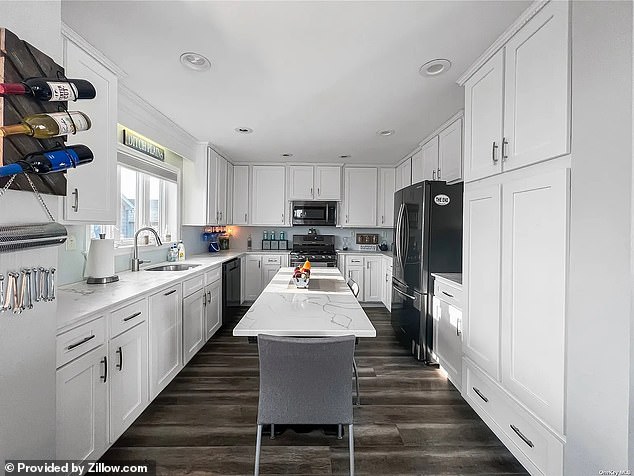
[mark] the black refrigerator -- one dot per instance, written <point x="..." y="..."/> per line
<point x="427" y="239"/>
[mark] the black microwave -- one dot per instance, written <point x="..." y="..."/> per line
<point x="315" y="213"/>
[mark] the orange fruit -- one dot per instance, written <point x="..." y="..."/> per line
<point x="307" y="265"/>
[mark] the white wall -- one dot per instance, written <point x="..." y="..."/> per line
<point x="27" y="342"/>
<point x="598" y="367"/>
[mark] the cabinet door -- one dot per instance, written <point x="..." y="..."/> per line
<point x="213" y="310"/>
<point x="356" y="273"/>
<point x="450" y="153"/>
<point x="373" y="279"/>
<point x="481" y="277"/>
<point x="193" y="324"/>
<point x="229" y="219"/>
<point x="243" y="274"/>
<point x="483" y="113"/>
<point x="212" y="183"/>
<point x="429" y="152"/>
<point x="404" y="172"/>
<point x="195" y="186"/>
<point x="534" y="261"/>
<point x="268" y="272"/>
<point x="448" y="322"/>
<point x="328" y="183"/>
<point x="268" y="203"/>
<point x="128" y="358"/>
<point x="221" y="190"/>
<point x="166" y="338"/>
<point x="240" y="194"/>
<point x="91" y="190"/>
<point x="300" y="182"/>
<point x="253" y="278"/>
<point x="387" y="283"/>
<point x="417" y="167"/>
<point x="82" y="407"/>
<point x="360" y="196"/>
<point x="385" y="217"/>
<point x="537" y="89"/>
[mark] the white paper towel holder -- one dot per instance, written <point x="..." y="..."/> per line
<point x="102" y="280"/>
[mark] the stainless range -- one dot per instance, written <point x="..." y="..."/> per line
<point x="318" y="249"/>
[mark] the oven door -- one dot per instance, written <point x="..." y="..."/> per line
<point x="314" y="213"/>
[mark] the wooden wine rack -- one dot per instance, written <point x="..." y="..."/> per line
<point x="18" y="61"/>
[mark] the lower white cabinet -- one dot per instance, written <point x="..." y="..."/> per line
<point x="194" y="309"/>
<point x="373" y="279"/>
<point x="387" y="282"/>
<point x="447" y="314"/>
<point x="213" y="308"/>
<point x="253" y="277"/>
<point x="166" y="338"/>
<point x="82" y="407"/>
<point x="128" y="369"/>
<point x="270" y="266"/>
<point x="355" y="273"/>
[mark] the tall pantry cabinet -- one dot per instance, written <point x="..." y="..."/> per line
<point x="515" y="247"/>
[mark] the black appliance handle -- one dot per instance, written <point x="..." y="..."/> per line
<point x="406" y="223"/>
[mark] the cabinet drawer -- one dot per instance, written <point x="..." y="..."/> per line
<point x="448" y="293"/>
<point x="193" y="284"/>
<point x="213" y="275"/>
<point x="482" y="392"/>
<point x="354" y="260"/>
<point x="275" y="259"/>
<point x="127" y="317"/>
<point x="80" y="340"/>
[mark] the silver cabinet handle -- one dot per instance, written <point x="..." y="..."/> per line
<point x="438" y="174"/>
<point x="433" y="175"/>
<point x="282" y="218"/>
<point x="521" y="435"/>
<point x="120" y="364"/>
<point x="104" y="361"/>
<point x="245" y="217"/>
<point x="209" y="297"/>
<point x="480" y="394"/>
<point x="382" y="219"/>
<point x="447" y="294"/>
<point x="169" y="292"/>
<point x="311" y="191"/>
<point x="75" y="207"/>
<point x="458" y="327"/>
<point x="493" y="155"/>
<point x="204" y="299"/>
<point x="136" y="314"/>
<point x="83" y="341"/>
<point x="259" y="262"/>
<point x="505" y="142"/>
<point x="318" y="192"/>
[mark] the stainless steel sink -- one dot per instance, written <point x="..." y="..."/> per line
<point x="172" y="267"/>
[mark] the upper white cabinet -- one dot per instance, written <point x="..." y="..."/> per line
<point x="360" y="190"/>
<point x="517" y="104"/>
<point x="92" y="189"/>
<point x="450" y="152"/>
<point x="404" y="174"/>
<point x="240" y="195"/>
<point x="267" y="201"/>
<point x="229" y="207"/>
<point x="425" y="162"/>
<point x="385" y="211"/>
<point x="306" y="182"/>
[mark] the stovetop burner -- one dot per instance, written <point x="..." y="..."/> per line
<point x="315" y="248"/>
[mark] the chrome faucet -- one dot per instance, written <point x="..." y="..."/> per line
<point x="136" y="262"/>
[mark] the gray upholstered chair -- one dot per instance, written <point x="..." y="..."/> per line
<point x="305" y="381"/>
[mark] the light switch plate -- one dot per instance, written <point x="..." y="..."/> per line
<point x="71" y="243"/>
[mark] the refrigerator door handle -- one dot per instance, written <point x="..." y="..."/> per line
<point x="413" y="298"/>
<point x="406" y="247"/>
<point x="398" y="233"/>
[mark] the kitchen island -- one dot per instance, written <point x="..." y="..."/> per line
<point x="326" y="308"/>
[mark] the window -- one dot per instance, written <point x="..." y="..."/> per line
<point x="147" y="198"/>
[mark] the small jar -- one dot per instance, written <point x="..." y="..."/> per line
<point x="265" y="235"/>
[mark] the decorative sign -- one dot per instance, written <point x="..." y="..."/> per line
<point x="136" y="142"/>
<point x="442" y="200"/>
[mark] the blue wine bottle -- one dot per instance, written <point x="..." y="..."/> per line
<point x="49" y="161"/>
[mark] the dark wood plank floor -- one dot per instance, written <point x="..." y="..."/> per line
<point x="412" y="420"/>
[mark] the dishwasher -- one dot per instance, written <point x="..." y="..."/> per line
<point x="230" y="286"/>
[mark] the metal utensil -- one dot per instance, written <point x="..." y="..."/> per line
<point x="42" y="292"/>
<point x="29" y="288"/>
<point x="16" y="296"/>
<point x="6" y="306"/>
<point x="1" y="292"/>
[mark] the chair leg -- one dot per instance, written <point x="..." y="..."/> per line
<point x="356" y="379"/>
<point x="272" y="431"/>
<point x="351" y="448"/>
<point x="258" y="446"/>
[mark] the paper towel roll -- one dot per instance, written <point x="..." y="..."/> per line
<point x="100" y="262"/>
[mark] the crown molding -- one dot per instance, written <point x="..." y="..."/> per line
<point x="72" y="35"/>
<point x="516" y="26"/>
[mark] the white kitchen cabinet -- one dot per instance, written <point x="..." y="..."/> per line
<point x="300" y="182"/>
<point x="356" y="273"/>
<point x="447" y="315"/>
<point x="240" y="194"/>
<point x="253" y="277"/>
<point x="229" y="207"/>
<point x="82" y="406"/>
<point x="194" y="309"/>
<point x="387" y="282"/>
<point x="243" y="275"/>
<point x="361" y="195"/>
<point x="484" y="96"/>
<point x="534" y="263"/>
<point x="271" y="264"/>
<point x="128" y="368"/>
<point x="426" y="162"/>
<point x="166" y="337"/>
<point x="450" y="152"/>
<point x="221" y="189"/>
<point x="306" y="182"/>
<point x="327" y="182"/>
<point x="373" y="279"/>
<point x="385" y="211"/>
<point x="404" y="174"/>
<point x="481" y="276"/>
<point x="92" y="189"/>
<point x="268" y="204"/>
<point x="213" y="308"/>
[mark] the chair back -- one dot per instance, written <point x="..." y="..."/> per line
<point x="354" y="286"/>
<point x="305" y="380"/>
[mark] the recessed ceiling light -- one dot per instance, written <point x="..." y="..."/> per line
<point x="386" y="132"/>
<point x="287" y="155"/>
<point x="243" y="130"/>
<point x="435" y="67"/>
<point x="345" y="156"/>
<point x="195" y="61"/>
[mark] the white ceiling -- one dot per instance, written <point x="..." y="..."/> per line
<point x="316" y="79"/>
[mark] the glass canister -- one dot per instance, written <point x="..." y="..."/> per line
<point x="282" y="235"/>
<point x="271" y="235"/>
<point x="265" y="235"/>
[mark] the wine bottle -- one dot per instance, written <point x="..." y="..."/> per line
<point x="49" y="89"/>
<point x="49" y="161"/>
<point x="49" y="125"/>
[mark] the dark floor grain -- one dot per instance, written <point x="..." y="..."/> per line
<point x="412" y="420"/>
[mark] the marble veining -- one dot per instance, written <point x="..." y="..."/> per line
<point x="326" y="308"/>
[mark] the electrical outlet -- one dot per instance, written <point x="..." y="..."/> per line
<point x="71" y="243"/>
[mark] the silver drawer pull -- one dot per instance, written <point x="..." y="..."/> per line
<point x="170" y="292"/>
<point x="136" y="314"/>
<point x="447" y="294"/>
<point x="481" y="395"/>
<point x="524" y="439"/>
<point x="83" y="341"/>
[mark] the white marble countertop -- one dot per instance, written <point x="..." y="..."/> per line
<point x="453" y="278"/>
<point x="388" y="253"/>
<point x="77" y="301"/>
<point x="326" y="308"/>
